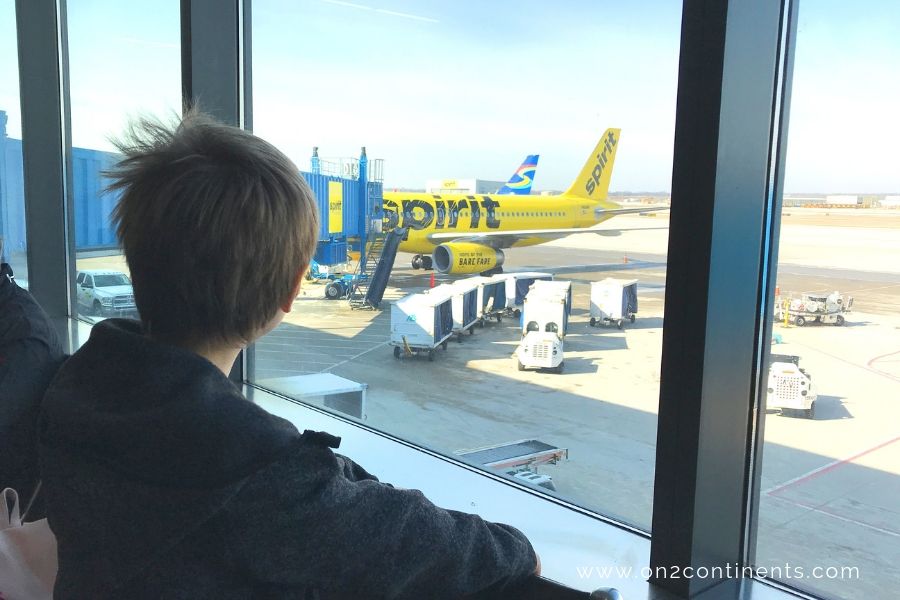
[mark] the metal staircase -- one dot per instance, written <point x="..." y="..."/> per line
<point x="374" y="269"/>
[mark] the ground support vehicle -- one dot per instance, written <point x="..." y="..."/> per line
<point x="519" y="459"/>
<point x="517" y="286"/>
<point x="812" y="308"/>
<point x="558" y="285"/>
<point x="104" y="293"/>
<point x="319" y="272"/>
<point x="420" y="323"/>
<point x="341" y="286"/>
<point x="789" y="387"/>
<point x="613" y="301"/>
<point x="464" y="294"/>
<point x="545" y="320"/>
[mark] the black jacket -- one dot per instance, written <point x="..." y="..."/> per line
<point x="163" y="481"/>
<point x="30" y="354"/>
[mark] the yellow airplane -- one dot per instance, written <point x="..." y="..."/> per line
<point x="467" y="234"/>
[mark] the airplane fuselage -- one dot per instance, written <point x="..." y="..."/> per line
<point x="426" y="214"/>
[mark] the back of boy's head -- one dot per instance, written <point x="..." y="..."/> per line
<point x="216" y="225"/>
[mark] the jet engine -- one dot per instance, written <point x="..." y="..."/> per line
<point x="461" y="258"/>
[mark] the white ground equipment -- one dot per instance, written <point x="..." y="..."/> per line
<point x="561" y="286"/>
<point x="517" y="286"/>
<point x="613" y="301"/>
<point x="519" y="459"/>
<point x="545" y="319"/>
<point x="492" y="302"/>
<point x="811" y="308"/>
<point x="420" y="323"/>
<point x="790" y="388"/>
<point x="464" y="295"/>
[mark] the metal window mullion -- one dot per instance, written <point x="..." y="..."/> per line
<point x="720" y="186"/>
<point x="215" y="72"/>
<point x="46" y="153"/>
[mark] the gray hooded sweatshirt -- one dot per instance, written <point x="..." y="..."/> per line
<point x="162" y="481"/>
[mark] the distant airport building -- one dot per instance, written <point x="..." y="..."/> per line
<point x="890" y="202"/>
<point x="841" y="200"/>
<point x="462" y="186"/>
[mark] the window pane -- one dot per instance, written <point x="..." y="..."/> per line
<point x="829" y="507"/>
<point x="12" y="191"/>
<point x="124" y="62"/>
<point x="448" y="98"/>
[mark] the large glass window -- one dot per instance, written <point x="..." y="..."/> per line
<point x="12" y="192"/>
<point x="829" y="505"/>
<point x="124" y="62"/>
<point x="447" y="100"/>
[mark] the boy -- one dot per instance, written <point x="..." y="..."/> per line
<point x="162" y="480"/>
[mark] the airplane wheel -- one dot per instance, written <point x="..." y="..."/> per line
<point x="397" y="352"/>
<point x="593" y="322"/>
<point x="426" y="262"/>
<point x="417" y="262"/>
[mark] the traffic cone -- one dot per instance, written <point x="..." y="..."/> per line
<point x="432" y="279"/>
<point x="625" y="259"/>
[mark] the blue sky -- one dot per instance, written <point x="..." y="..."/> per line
<point x="467" y="89"/>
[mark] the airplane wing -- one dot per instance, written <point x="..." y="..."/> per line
<point x="507" y="239"/>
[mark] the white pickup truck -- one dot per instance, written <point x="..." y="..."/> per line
<point x="104" y="293"/>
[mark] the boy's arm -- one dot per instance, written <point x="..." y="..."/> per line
<point x="367" y="538"/>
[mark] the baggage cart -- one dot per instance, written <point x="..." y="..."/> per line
<point x="517" y="286"/>
<point x="464" y="303"/>
<point x="613" y="301"/>
<point x="420" y="323"/>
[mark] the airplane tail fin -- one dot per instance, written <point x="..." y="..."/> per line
<point x="520" y="182"/>
<point x="593" y="181"/>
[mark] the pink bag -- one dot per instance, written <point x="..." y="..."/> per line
<point x="28" y="561"/>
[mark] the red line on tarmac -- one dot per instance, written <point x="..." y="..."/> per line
<point x="826" y="468"/>
<point x="829" y="513"/>
<point x="886" y="374"/>
<point x="853" y="364"/>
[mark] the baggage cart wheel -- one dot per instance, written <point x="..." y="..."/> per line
<point x="633" y="316"/>
<point x="839" y="320"/>
<point x="593" y="322"/>
<point x="459" y="338"/>
<point x="472" y="329"/>
<point x="481" y="322"/>
<point x="620" y="323"/>
<point x="799" y="321"/>
<point x="521" y="366"/>
<point x="517" y="313"/>
<point x="499" y="318"/>
<point x="431" y="355"/>
<point x="397" y="352"/>
<point x="810" y="413"/>
<point x="444" y="345"/>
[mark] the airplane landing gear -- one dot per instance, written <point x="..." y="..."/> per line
<point x="420" y="261"/>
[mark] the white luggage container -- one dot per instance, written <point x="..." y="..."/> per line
<point x="491" y="297"/>
<point x="544" y="322"/>
<point x="464" y="301"/>
<point x="420" y="323"/>
<point x="613" y="301"/>
<point x="560" y="285"/>
<point x="517" y="286"/>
